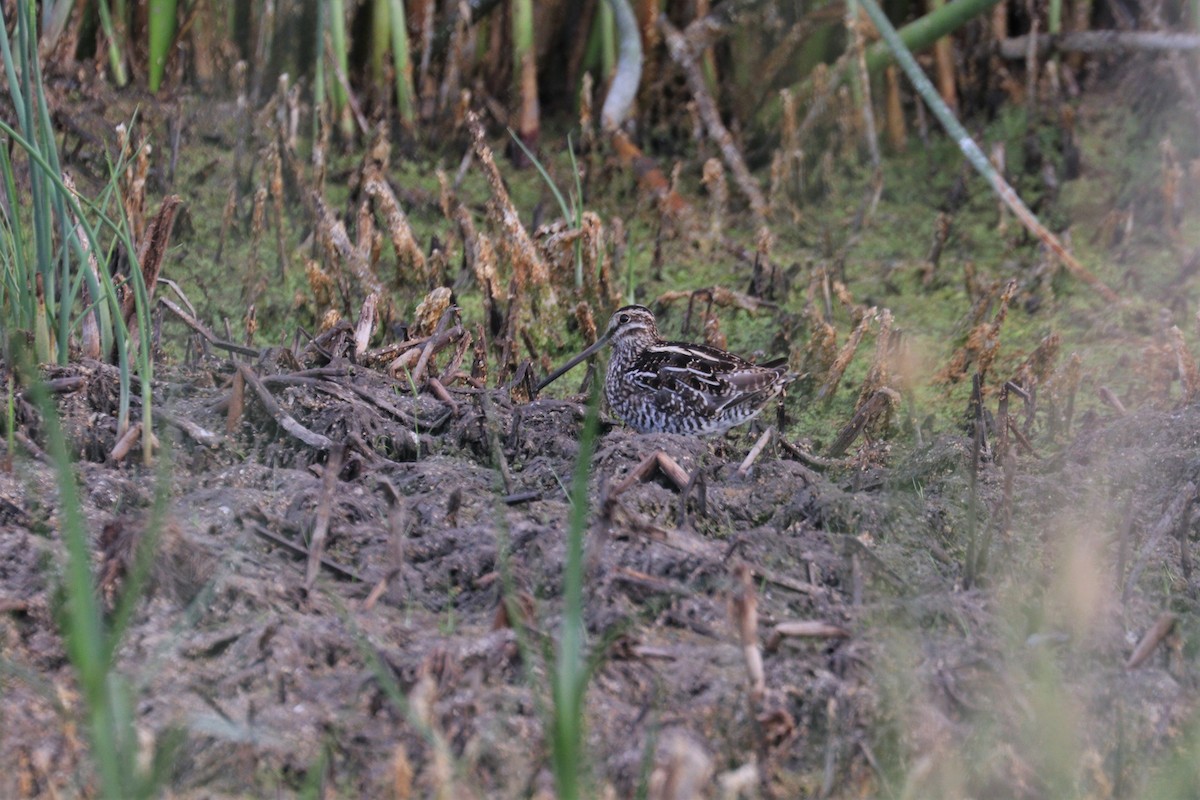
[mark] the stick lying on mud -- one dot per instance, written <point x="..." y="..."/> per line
<point x="337" y="569"/>
<point x="208" y="335"/>
<point x="281" y="417"/>
<point x="316" y="546"/>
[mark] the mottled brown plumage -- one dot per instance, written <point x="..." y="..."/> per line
<point x="678" y="387"/>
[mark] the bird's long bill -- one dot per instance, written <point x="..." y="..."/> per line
<point x="558" y="373"/>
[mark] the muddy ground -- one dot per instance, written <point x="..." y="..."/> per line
<point x="269" y="683"/>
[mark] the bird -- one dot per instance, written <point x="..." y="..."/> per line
<point x="657" y="386"/>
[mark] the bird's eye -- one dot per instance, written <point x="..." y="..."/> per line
<point x="623" y="319"/>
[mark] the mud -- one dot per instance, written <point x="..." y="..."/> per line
<point x="406" y="649"/>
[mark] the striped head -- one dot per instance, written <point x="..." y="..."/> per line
<point x="631" y="330"/>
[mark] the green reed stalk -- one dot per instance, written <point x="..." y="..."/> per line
<point x="404" y="82"/>
<point x="381" y="33"/>
<point x="161" y="35"/>
<point x="116" y="61"/>
<point x="319" y="72"/>
<point x="608" y="40"/>
<point x="335" y="15"/>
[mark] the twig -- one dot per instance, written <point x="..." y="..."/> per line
<point x="198" y="434"/>
<point x="1016" y="47"/>
<point x="875" y="406"/>
<point x="808" y="628"/>
<point x="744" y="469"/>
<point x="281" y="417"/>
<point x="493" y="434"/>
<point x="126" y="442"/>
<point x="1174" y="512"/>
<point x="743" y="607"/>
<point x="316" y="546"/>
<point x="208" y="335"/>
<point x="337" y="569"/>
<point x="1110" y="399"/>
<point x="1161" y="628"/>
<point x="685" y="58"/>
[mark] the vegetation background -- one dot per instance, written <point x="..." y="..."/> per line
<point x="281" y="508"/>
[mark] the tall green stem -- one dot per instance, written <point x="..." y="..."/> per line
<point x="336" y="17"/>
<point x="404" y="83"/>
<point x="916" y="35"/>
<point x="162" y="33"/>
<point x="116" y="61"/>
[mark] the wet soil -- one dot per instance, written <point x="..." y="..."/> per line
<point x="405" y="647"/>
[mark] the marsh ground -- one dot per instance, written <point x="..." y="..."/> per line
<point x="403" y="668"/>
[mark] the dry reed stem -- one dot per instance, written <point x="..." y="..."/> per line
<point x="1038" y="365"/>
<point x="402" y="774"/>
<point x="320" y="285"/>
<point x="1172" y="195"/>
<point x="1110" y="399"/>
<point x="152" y="252"/>
<point x="998" y="159"/>
<point x="366" y="325"/>
<point x="429" y="312"/>
<point x="126" y="442"/>
<point x="682" y="770"/>
<point x="787" y="163"/>
<point x="983" y="342"/>
<point x="133" y="181"/>
<point x="803" y="628"/>
<point x="227" y="215"/>
<point x="713" y="179"/>
<point x="597" y="266"/>
<point x="316" y="545"/>
<point x="252" y="280"/>
<point x="748" y="462"/>
<point x="275" y="173"/>
<point x="866" y="111"/>
<point x="838" y="367"/>
<point x="89" y="329"/>
<point x="878" y="374"/>
<point x="329" y="320"/>
<point x="897" y="130"/>
<point x="713" y="337"/>
<point x="587" y="117"/>
<point x="478" y="248"/>
<point x="1159" y="631"/>
<point x="821" y="350"/>
<point x="682" y="54"/>
<point x="651" y="179"/>
<point x="281" y="417"/>
<point x="528" y="267"/>
<point x="1189" y="376"/>
<point x="874" y="413"/>
<point x="408" y="252"/>
<point x="586" y="320"/>
<point x="743" y="613"/>
<point x="332" y="234"/>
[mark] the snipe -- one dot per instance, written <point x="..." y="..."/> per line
<point x="678" y="387"/>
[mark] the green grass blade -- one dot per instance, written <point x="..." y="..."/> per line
<point x="571" y="670"/>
